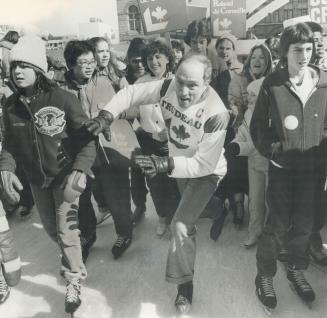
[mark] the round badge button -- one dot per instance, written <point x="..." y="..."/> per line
<point x="291" y="122"/>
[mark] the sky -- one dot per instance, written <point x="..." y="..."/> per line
<point x="58" y="17"/>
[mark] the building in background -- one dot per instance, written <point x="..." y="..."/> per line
<point x="129" y="20"/>
<point x="272" y="24"/>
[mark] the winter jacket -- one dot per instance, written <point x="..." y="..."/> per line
<point x="196" y="134"/>
<point x="221" y="83"/>
<point x="93" y="95"/>
<point x="243" y="139"/>
<point x="45" y="136"/>
<point x="291" y="134"/>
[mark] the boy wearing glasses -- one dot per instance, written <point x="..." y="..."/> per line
<point x="110" y="170"/>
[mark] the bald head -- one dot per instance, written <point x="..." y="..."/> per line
<point x="192" y="79"/>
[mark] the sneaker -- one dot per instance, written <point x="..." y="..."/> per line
<point x="138" y="214"/>
<point x="161" y="229"/>
<point x="184" y="297"/>
<point x="72" y="299"/>
<point x="300" y="284"/>
<point x="86" y="245"/>
<point x="319" y="255"/>
<point x="217" y="225"/>
<point x="102" y="214"/>
<point x="121" y="244"/>
<point x="4" y="290"/>
<point x="265" y="291"/>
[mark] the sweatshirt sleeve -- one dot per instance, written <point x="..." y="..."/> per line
<point x="243" y="139"/>
<point x="134" y="96"/>
<point x="7" y="161"/>
<point x="208" y="153"/>
<point x="263" y="133"/>
<point x="81" y="140"/>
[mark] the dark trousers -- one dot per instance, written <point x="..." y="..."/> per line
<point x="86" y="214"/>
<point x="138" y="184"/>
<point x="26" y="196"/>
<point x="164" y="190"/>
<point x="290" y="199"/>
<point x="319" y="213"/>
<point x="114" y="182"/>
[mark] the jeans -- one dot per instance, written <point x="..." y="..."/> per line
<point x="59" y="219"/>
<point x="195" y="195"/>
<point x="290" y="199"/>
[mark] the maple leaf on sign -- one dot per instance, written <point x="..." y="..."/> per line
<point x="159" y="13"/>
<point x="181" y="132"/>
<point x="225" y="23"/>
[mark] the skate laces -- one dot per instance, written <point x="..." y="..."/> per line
<point x="120" y="241"/>
<point x="3" y="286"/>
<point x="267" y="286"/>
<point x="73" y="291"/>
<point x="299" y="279"/>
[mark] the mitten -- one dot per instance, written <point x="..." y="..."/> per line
<point x="9" y="259"/>
<point x="99" y="123"/>
<point x="232" y="149"/>
<point x="11" y="187"/>
<point x="74" y="186"/>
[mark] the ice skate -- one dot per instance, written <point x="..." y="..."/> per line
<point x="300" y="285"/>
<point x="184" y="297"/>
<point x="266" y="293"/>
<point x="4" y="290"/>
<point x="72" y="299"/>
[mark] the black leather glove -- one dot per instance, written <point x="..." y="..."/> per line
<point x="152" y="165"/>
<point x="232" y="149"/>
<point x="11" y="186"/>
<point x="99" y="123"/>
<point x="107" y="133"/>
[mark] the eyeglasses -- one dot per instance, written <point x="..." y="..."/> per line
<point x="136" y="61"/>
<point x="85" y="64"/>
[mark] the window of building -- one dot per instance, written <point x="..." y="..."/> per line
<point x="288" y="14"/>
<point x="303" y="12"/>
<point x="276" y="16"/>
<point x="134" y="19"/>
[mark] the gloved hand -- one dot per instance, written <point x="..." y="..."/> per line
<point x="232" y="149"/>
<point x="11" y="186"/>
<point x="107" y="133"/>
<point x="74" y="185"/>
<point x="9" y="259"/>
<point x="152" y="165"/>
<point x="99" y="123"/>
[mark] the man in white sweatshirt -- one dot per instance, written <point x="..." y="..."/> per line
<point x="196" y="121"/>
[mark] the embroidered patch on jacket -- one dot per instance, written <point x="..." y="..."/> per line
<point x="50" y="120"/>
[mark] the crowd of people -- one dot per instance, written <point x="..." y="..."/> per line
<point x="211" y="132"/>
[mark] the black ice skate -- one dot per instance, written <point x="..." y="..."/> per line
<point x="4" y="290"/>
<point x="184" y="298"/>
<point x="122" y="243"/>
<point x="72" y="299"/>
<point x="266" y="293"/>
<point x="300" y="285"/>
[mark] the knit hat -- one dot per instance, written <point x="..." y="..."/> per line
<point x="227" y="36"/>
<point x="30" y="49"/>
<point x="255" y="86"/>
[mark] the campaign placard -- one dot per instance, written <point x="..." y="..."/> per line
<point x="228" y="16"/>
<point x="159" y="16"/>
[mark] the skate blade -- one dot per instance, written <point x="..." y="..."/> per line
<point x="268" y="311"/>
<point x="308" y="304"/>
